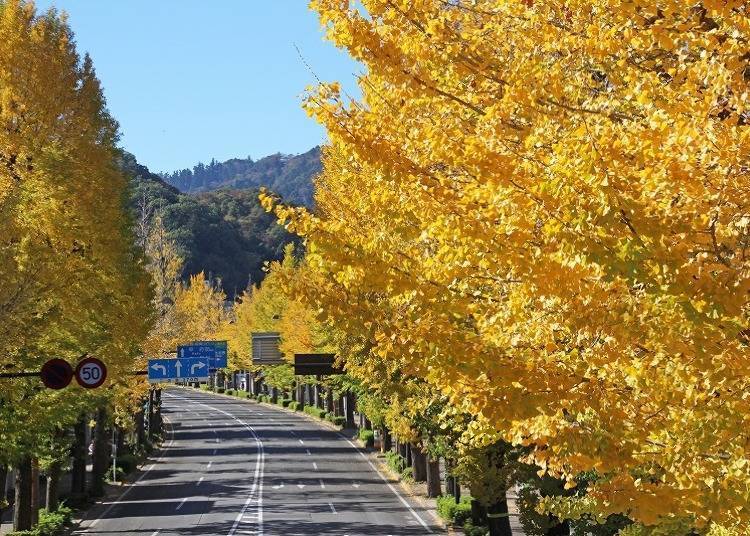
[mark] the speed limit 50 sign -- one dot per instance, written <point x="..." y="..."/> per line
<point x="91" y="373"/>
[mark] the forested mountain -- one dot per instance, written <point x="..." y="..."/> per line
<point x="288" y="175"/>
<point x="226" y="234"/>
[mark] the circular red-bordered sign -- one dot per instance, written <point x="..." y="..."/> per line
<point x="91" y="373"/>
<point x="56" y="374"/>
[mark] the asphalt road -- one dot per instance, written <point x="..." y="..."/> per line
<point x="236" y="468"/>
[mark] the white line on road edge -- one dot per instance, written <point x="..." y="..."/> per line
<point x="315" y="465"/>
<point x="181" y="503"/>
<point x="125" y="493"/>
<point x="323" y="486"/>
<point x="396" y="493"/>
<point x="200" y="480"/>
<point x="332" y="508"/>
<point x="155" y="533"/>
<point x="308" y="452"/>
<point x="257" y="485"/>
<point x="301" y="442"/>
<point x="209" y="466"/>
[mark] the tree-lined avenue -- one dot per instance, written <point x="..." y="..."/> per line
<point x="229" y="467"/>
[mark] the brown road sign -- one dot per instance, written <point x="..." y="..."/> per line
<point x="316" y="365"/>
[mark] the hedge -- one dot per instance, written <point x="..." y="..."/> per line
<point x="315" y="412"/>
<point x="50" y="523"/>
<point x="367" y="437"/>
<point x="455" y="513"/>
<point x="294" y="406"/>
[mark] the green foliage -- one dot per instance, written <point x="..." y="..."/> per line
<point x="336" y="419"/>
<point x="295" y="406"/>
<point x="396" y="462"/>
<point x="50" y="523"/>
<point x="455" y="513"/>
<point x="315" y="412"/>
<point x="220" y="390"/>
<point x="284" y="402"/>
<point x="279" y="376"/>
<point x="229" y="392"/>
<point x="205" y="387"/>
<point x="472" y="530"/>
<point x="367" y="437"/>
<point x="290" y="176"/>
<point x="226" y="234"/>
<point x="127" y="462"/>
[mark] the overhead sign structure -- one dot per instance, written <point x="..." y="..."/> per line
<point x="316" y="365"/>
<point x="56" y="374"/>
<point x="91" y="373"/>
<point x="215" y="351"/>
<point x="191" y="369"/>
<point x="266" y="348"/>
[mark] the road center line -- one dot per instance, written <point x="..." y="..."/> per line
<point x="256" y="490"/>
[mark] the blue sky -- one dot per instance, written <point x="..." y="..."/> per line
<point x="192" y="80"/>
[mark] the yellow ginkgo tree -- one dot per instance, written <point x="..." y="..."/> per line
<point x="540" y="207"/>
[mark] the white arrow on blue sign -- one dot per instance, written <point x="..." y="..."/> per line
<point x="193" y="369"/>
<point x="216" y="351"/>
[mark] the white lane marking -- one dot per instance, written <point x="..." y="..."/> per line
<point x="148" y="469"/>
<point x="315" y="465"/>
<point x="183" y="502"/>
<point x="200" y="480"/>
<point x="155" y="533"/>
<point x="308" y="452"/>
<point x="301" y="442"/>
<point x="292" y="432"/>
<point x="332" y="508"/>
<point x="209" y="466"/>
<point x="323" y="486"/>
<point x="218" y="440"/>
<point x="214" y="454"/>
<point x="257" y="485"/>
<point x="396" y="493"/>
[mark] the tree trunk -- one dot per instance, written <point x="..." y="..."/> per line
<point x="349" y="410"/>
<point x="3" y="479"/>
<point x="385" y="440"/>
<point x="329" y="401"/>
<point x="497" y="518"/>
<point x="52" y="500"/>
<point x="409" y="455"/>
<point x="433" y="477"/>
<point x="368" y="424"/>
<point x="419" y="464"/>
<point x="34" y="491"/>
<point x="101" y="453"/>
<point x="151" y="413"/>
<point x="450" y="480"/>
<point x="78" y="452"/>
<point x="157" y="411"/>
<point x="22" y="507"/>
<point x="561" y="529"/>
<point x="477" y="512"/>
<point x="140" y="429"/>
<point x="317" y="399"/>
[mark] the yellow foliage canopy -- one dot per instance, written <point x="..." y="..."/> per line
<point x="541" y="207"/>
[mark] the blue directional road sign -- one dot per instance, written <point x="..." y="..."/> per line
<point x="192" y="369"/>
<point x="216" y="351"/>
